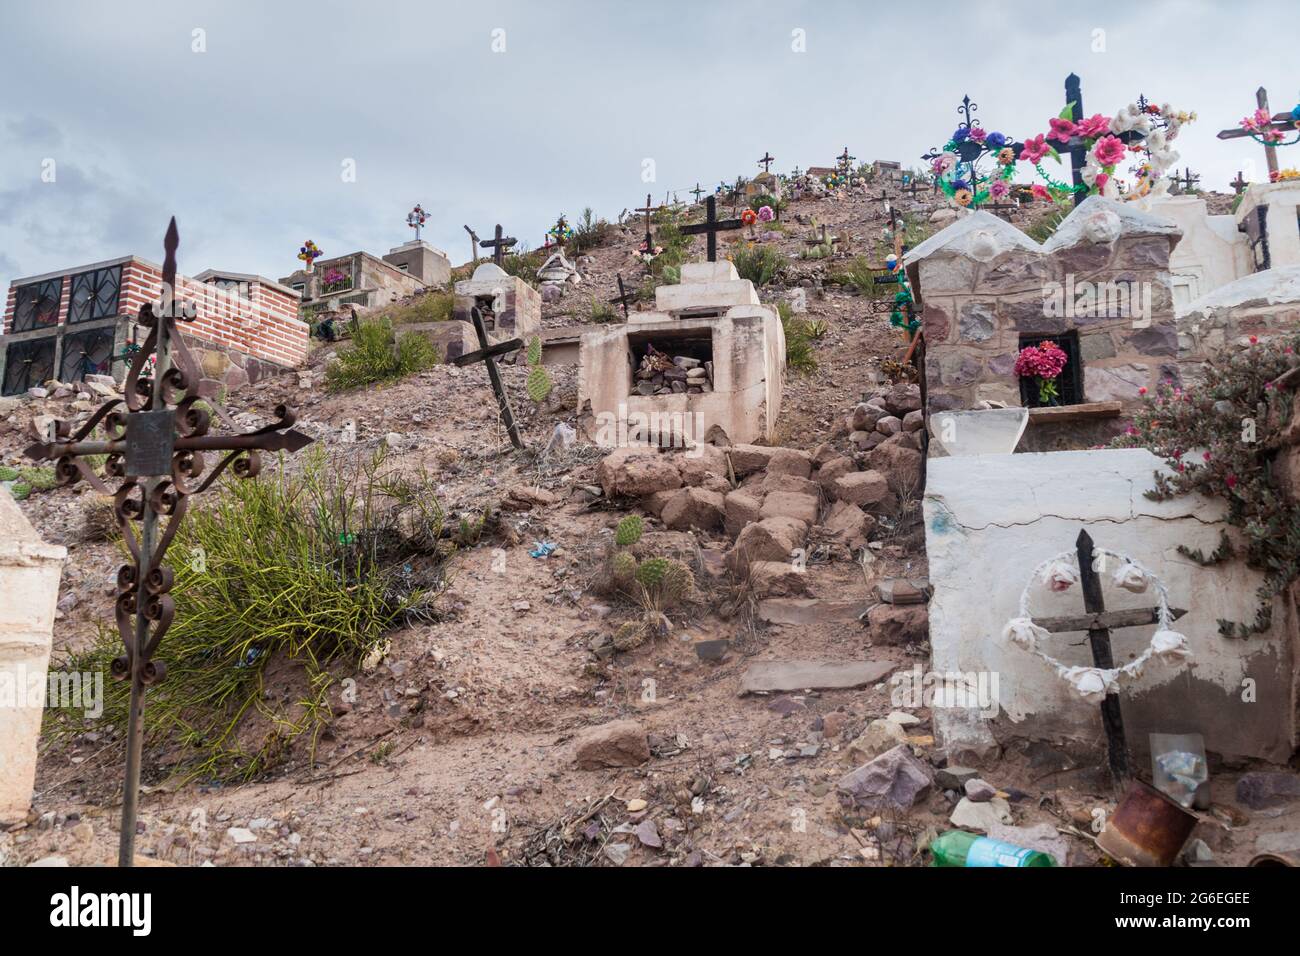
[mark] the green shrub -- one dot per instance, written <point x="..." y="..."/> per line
<point x="799" y="354"/>
<point x="589" y="232"/>
<point x="298" y="575"/>
<point x="378" y="355"/>
<point x="430" y="307"/>
<point x="603" y="312"/>
<point x="860" y="275"/>
<point x="758" y="263"/>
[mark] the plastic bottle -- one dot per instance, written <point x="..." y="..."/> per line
<point x="959" y="848"/>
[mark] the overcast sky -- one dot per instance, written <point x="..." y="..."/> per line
<point x="245" y="129"/>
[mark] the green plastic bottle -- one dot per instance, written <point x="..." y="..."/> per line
<point x="959" y="848"/>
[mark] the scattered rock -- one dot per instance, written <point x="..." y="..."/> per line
<point x="771" y="539"/>
<point x="880" y="736"/>
<point x="636" y="472"/>
<point x="776" y="579"/>
<point x="619" y="743"/>
<point x="866" y="489"/>
<point x="969" y="815"/>
<point x="898" y="624"/>
<point x="773" y="676"/>
<point x="894" y="779"/>
<point x="980" y="791"/>
<point x="694" y="508"/>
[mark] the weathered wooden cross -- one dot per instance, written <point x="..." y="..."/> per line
<point x="623" y="296"/>
<point x="498" y="245"/>
<point x="487" y="354"/>
<point x="1280" y="121"/>
<point x="767" y="161"/>
<point x="1239" y="184"/>
<point x="1099" y="622"/>
<point x="155" y="444"/>
<point x="711" y="227"/>
<point x="912" y="187"/>
<point x="473" y="245"/>
<point x="1186" y="181"/>
<point x="697" y="192"/>
<point x="647" y="209"/>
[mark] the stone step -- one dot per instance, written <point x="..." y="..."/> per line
<point x="805" y="611"/>
<point x="786" y="676"/>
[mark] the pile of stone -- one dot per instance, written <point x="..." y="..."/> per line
<point x="891" y="411"/>
<point x="659" y="374"/>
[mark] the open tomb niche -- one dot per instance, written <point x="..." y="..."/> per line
<point x="679" y="362"/>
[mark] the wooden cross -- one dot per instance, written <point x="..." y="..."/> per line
<point x="767" y="161"/>
<point x="697" y="192"/>
<point x="473" y="245"/>
<point x="1099" y="622"/>
<point x="711" y="227"/>
<point x="498" y="245"/>
<point x="647" y="209"/>
<point x="487" y="354"/>
<point x="1239" y="184"/>
<point x="623" y="296"/>
<point x="1186" y="181"/>
<point x="154" y="443"/>
<point x="912" y="187"/>
<point x="1280" y="121"/>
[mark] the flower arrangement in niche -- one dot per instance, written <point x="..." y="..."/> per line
<point x="336" y="279"/>
<point x="1044" y="363"/>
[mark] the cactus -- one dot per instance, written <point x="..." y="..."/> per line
<point x="539" y="380"/>
<point x="629" y="635"/>
<point x="678" y="583"/>
<point x="650" y="573"/>
<point x="629" y="531"/>
<point x="624" y="568"/>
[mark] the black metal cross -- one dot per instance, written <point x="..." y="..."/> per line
<point x="498" y="245"/>
<point x="1099" y="622"/>
<point x="1239" y="184"/>
<point x="623" y="295"/>
<point x="1280" y="121"/>
<point x="844" y="159"/>
<point x="711" y="227"/>
<point x="1078" y="151"/>
<point x="487" y="354"/>
<point x="155" y="444"/>
<point x="767" y="161"/>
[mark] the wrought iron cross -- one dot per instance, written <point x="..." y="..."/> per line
<point x="711" y="227"/>
<point x="767" y="161"/>
<point x="623" y="296"/>
<point x="1078" y="151"/>
<point x="498" y="245"/>
<point x="487" y="354"/>
<point x="155" y="444"/>
<point x="1099" y="622"/>
<point x="844" y="159"/>
<point x="415" y="219"/>
<point x="1279" y="121"/>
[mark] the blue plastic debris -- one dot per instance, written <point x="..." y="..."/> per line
<point x="542" y="549"/>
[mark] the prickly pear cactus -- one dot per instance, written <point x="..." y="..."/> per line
<point x="650" y="573"/>
<point x="629" y="635"/>
<point x="535" y="350"/>
<point x="624" y="567"/>
<point x="629" y="531"/>
<point x="539" y="380"/>
<point x="678" y="582"/>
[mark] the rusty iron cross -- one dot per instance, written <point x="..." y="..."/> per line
<point x="155" y="437"/>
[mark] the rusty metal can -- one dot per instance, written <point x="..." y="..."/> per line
<point x="1146" y="829"/>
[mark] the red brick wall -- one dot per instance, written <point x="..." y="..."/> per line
<point x="265" y="325"/>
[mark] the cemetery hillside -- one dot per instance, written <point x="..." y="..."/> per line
<point x="928" y="499"/>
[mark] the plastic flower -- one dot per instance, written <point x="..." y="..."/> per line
<point x="1061" y="129"/>
<point x="995" y="140"/>
<point x="963" y="197"/>
<point x="961" y="134"/>
<point x="1034" y="149"/>
<point x="999" y="189"/>
<point x="1006" y="156"/>
<point x="979" y="134"/>
<point x="1094" y="126"/>
<point x="1109" y="151"/>
<point x="765" y="214"/>
<point x="1040" y="191"/>
<point x="749" y="217"/>
<point x="1059" y="576"/>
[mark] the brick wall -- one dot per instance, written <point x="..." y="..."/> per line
<point x="265" y="324"/>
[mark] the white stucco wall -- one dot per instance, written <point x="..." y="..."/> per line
<point x="990" y="519"/>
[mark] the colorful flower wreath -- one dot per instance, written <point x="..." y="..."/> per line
<point x="1259" y="125"/>
<point x="1108" y="142"/>
<point x="957" y="167"/>
<point x="309" y="252"/>
<point x="560" y="232"/>
<point x="417" y="217"/>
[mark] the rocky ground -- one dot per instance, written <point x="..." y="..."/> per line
<point x="513" y="731"/>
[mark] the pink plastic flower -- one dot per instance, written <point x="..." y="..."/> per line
<point x="1101" y="180"/>
<point x="1109" y="151"/>
<point x="978" y="134"/>
<point x="1040" y="191"/>
<point x="1034" y="149"/>
<point x="999" y="189"/>
<point x="1061" y="129"/>
<point x="1231" y="481"/>
<point x="1093" y="126"/>
<point x="765" y="214"/>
